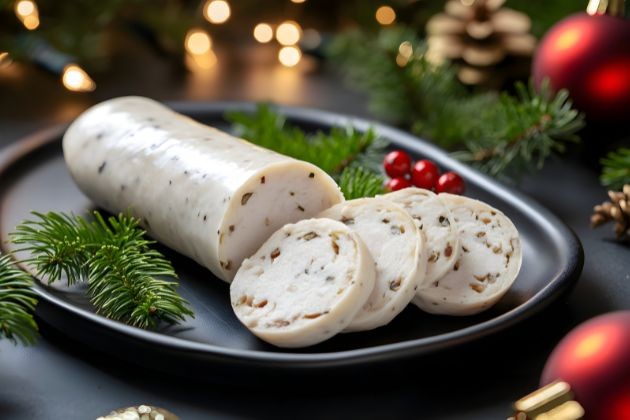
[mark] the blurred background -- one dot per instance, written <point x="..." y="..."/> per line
<point x="59" y="56"/>
<point x="448" y="71"/>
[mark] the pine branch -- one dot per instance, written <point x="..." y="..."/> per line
<point x="115" y="259"/>
<point x="616" y="169"/>
<point x="332" y="151"/>
<point x="17" y="304"/>
<point x="501" y="134"/>
<point x="357" y="182"/>
<point x="531" y="127"/>
<point x="353" y="158"/>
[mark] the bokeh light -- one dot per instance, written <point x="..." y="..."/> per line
<point x="27" y="12"/>
<point x="74" y="78"/>
<point x="5" y="60"/>
<point x="289" y="56"/>
<point x="217" y="11"/>
<point x="25" y="7"/>
<point x="405" y="51"/>
<point x="198" y="63"/>
<point x="198" y="42"/>
<point x="288" y="33"/>
<point x="263" y="33"/>
<point x="385" y="15"/>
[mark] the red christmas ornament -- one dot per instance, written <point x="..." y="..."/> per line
<point x="594" y="359"/>
<point x="589" y="55"/>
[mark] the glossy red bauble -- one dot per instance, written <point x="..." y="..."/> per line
<point x="594" y="359"/>
<point x="425" y="174"/>
<point x="589" y="56"/>
<point x="451" y="183"/>
<point x="397" y="164"/>
<point x="396" y="184"/>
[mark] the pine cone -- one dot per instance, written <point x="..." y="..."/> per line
<point x="617" y="210"/>
<point x="491" y="44"/>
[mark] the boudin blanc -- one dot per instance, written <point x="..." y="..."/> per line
<point x="305" y="284"/>
<point x="436" y="223"/>
<point x="489" y="261"/>
<point x="398" y="251"/>
<point x="210" y="196"/>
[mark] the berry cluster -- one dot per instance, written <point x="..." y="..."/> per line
<point x="422" y="174"/>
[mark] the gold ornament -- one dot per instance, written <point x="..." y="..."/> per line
<point x="140" y="412"/>
<point x="617" y="210"/>
<point x="490" y="43"/>
<point x="551" y="402"/>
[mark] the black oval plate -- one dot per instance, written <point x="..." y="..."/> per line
<point x="33" y="176"/>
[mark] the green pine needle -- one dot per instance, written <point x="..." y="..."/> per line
<point x="17" y="304"/>
<point x="616" y="169"/>
<point x="501" y="134"/>
<point x="113" y="256"/>
<point x="339" y="152"/>
<point x="525" y="130"/>
<point x="357" y="182"/>
<point x="332" y="152"/>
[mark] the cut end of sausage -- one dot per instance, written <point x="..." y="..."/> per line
<point x="304" y="285"/>
<point x="488" y="264"/>
<point x="292" y="191"/>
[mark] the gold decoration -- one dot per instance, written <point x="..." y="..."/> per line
<point x="490" y="43"/>
<point x="551" y="402"/>
<point x="606" y="7"/>
<point x="617" y="210"/>
<point x="141" y="412"/>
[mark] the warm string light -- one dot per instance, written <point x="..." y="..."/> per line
<point x="74" y="78"/>
<point x="289" y="56"/>
<point x="263" y="33"/>
<point x="5" y="60"/>
<point x="288" y="33"/>
<point x="28" y="13"/>
<point x="195" y="62"/>
<point x="199" y="54"/>
<point x="385" y="15"/>
<point x="197" y="41"/>
<point x="405" y="51"/>
<point x="298" y="1"/>
<point x="217" y="11"/>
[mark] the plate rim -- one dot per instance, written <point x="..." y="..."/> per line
<point x="17" y="151"/>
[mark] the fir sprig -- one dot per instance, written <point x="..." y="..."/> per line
<point x="122" y="270"/>
<point x="17" y="304"/>
<point x="350" y="156"/>
<point x="357" y="182"/>
<point x="616" y="169"/>
<point x="332" y="151"/>
<point x="502" y="134"/>
<point x="528" y="128"/>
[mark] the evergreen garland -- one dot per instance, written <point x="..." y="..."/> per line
<point x="17" y="304"/>
<point x="351" y="157"/>
<point x="616" y="169"/>
<point x="122" y="271"/>
<point x="501" y="134"/>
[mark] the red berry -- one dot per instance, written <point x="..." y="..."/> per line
<point x="425" y="174"/>
<point x="396" y="184"/>
<point x="450" y="182"/>
<point x="397" y="164"/>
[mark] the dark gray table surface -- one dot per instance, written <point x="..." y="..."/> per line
<point x="61" y="379"/>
